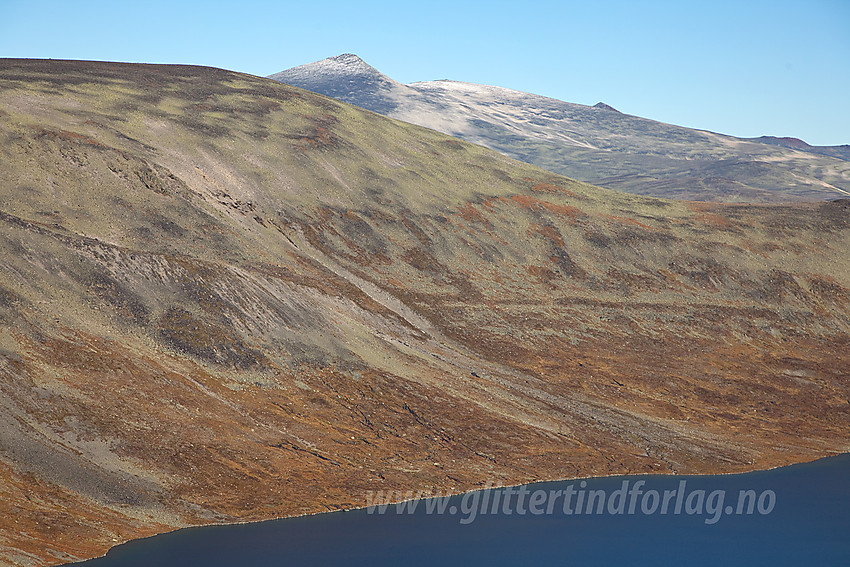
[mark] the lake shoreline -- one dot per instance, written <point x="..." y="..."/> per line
<point x="458" y="494"/>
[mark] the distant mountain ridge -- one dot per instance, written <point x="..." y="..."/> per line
<point x="591" y="143"/>
<point x="841" y="152"/>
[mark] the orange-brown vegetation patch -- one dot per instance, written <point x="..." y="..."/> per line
<point x="549" y="232"/>
<point x="714" y="219"/>
<point x="468" y="212"/>
<point x="541" y="187"/>
<point x="533" y="203"/>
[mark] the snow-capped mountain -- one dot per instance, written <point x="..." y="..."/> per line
<point x="591" y="143"/>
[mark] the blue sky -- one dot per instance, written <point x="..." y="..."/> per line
<point x="742" y="68"/>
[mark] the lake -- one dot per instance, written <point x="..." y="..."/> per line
<point x="796" y="515"/>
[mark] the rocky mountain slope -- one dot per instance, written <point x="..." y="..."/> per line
<point x="596" y="143"/>
<point x="223" y="298"/>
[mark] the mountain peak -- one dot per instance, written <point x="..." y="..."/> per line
<point x="603" y="106"/>
<point x="347" y="59"/>
<point x="346" y="64"/>
<point x="345" y="77"/>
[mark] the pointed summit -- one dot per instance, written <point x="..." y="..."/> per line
<point x="603" y="106"/>
<point x="350" y="60"/>
<point x="345" y="77"/>
<point x="345" y="64"/>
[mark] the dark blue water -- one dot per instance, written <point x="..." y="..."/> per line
<point x="800" y="515"/>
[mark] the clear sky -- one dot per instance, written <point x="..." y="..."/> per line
<point x="745" y="68"/>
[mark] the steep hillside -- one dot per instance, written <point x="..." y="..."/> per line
<point x="596" y="143"/>
<point x="223" y="298"/>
